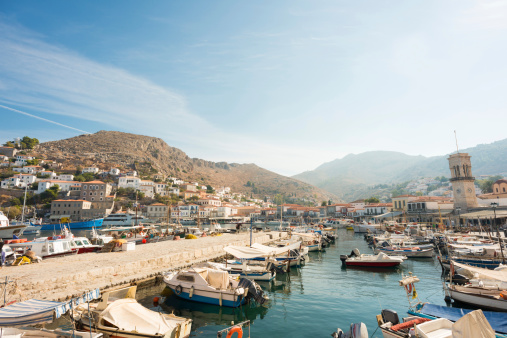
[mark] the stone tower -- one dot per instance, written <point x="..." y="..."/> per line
<point x="462" y="181"/>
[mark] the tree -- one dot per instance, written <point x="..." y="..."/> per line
<point x="209" y="189"/>
<point x="194" y="198"/>
<point x="9" y="144"/>
<point x="34" y="186"/>
<point x="486" y="184"/>
<point x="29" y="143"/>
<point x="50" y="194"/>
<point x="372" y="199"/>
<point x="323" y="204"/>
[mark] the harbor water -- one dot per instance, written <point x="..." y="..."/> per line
<point x="315" y="300"/>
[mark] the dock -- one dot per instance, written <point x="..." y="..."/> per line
<point x="70" y="276"/>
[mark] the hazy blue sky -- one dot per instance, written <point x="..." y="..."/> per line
<point x="287" y="85"/>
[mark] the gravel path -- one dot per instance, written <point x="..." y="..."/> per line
<point x="59" y="278"/>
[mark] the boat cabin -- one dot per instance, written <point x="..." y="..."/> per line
<point x="45" y="249"/>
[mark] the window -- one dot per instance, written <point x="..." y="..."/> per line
<point x="503" y="189"/>
<point x="91" y="193"/>
<point x="85" y="186"/>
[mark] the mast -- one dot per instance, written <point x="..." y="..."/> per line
<point x="135" y="223"/>
<point x="24" y="204"/>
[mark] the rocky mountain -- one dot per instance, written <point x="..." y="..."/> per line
<point x="151" y="156"/>
<point x="352" y="176"/>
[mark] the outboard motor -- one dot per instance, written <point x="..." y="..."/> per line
<point x="254" y="290"/>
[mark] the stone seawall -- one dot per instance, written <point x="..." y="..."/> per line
<point x="60" y="278"/>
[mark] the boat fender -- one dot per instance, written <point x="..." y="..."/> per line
<point x="178" y="289"/>
<point x="191" y="293"/>
<point x="236" y="329"/>
<point x="129" y="234"/>
<point x="408" y="324"/>
<point x="503" y="294"/>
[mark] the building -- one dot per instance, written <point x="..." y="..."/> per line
<point x="400" y="203"/>
<point x="29" y="169"/>
<point x="462" y="181"/>
<point x="114" y="172"/>
<point x="129" y="182"/>
<point x="46" y="184"/>
<point x="65" y="177"/>
<point x="157" y="211"/>
<point x="93" y="170"/>
<point x="8" y="151"/>
<point x="499" y="195"/>
<point x="25" y="179"/>
<point x="72" y="209"/>
<point x="99" y="193"/>
<point x="49" y="174"/>
<point x="210" y="202"/>
<point x="10" y="182"/>
<point x="188" y="187"/>
<point x="376" y="209"/>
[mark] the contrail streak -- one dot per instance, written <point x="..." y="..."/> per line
<point x="43" y="119"/>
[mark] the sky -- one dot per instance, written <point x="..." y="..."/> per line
<point x="285" y="84"/>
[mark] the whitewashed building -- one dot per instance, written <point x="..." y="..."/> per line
<point x="129" y="182"/>
<point x="93" y="170"/>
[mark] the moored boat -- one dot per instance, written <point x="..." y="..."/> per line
<point x="94" y="223"/>
<point x="8" y="231"/>
<point x="381" y="260"/>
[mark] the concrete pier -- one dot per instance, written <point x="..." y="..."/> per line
<point x="64" y="277"/>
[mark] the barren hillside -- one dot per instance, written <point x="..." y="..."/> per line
<point x="107" y="149"/>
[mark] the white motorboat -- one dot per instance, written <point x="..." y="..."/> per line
<point x="46" y="247"/>
<point x="123" y="219"/>
<point x="205" y="285"/>
<point x="380" y="260"/>
<point x="8" y="231"/>
<point x="120" y="315"/>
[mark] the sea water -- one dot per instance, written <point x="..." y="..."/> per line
<point x="315" y="300"/>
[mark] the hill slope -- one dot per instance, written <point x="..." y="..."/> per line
<point x="350" y="176"/>
<point x="149" y="154"/>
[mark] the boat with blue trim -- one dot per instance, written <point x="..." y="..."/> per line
<point x="210" y="286"/>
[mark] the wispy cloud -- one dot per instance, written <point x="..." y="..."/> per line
<point x="486" y="14"/>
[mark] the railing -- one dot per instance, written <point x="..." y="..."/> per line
<point x="239" y="325"/>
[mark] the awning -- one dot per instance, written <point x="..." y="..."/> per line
<point x="483" y="214"/>
<point x="31" y="312"/>
<point x="389" y="214"/>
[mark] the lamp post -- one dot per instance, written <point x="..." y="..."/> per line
<point x="392" y="215"/>
<point x="494" y="205"/>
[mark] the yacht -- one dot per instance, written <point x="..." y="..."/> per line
<point x="122" y="219"/>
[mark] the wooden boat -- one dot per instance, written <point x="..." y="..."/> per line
<point x="481" y="297"/>
<point x="212" y="286"/>
<point x="380" y="260"/>
<point x="245" y="270"/>
<point x="120" y="315"/>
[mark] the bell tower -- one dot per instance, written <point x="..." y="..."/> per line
<point x="462" y="181"/>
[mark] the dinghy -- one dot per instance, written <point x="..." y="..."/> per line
<point x="380" y="260"/>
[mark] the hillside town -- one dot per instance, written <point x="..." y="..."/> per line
<point x="97" y="191"/>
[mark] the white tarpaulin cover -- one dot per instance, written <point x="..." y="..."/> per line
<point x="277" y="251"/>
<point x="128" y="315"/>
<point x="500" y="275"/>
<point x="218" y="279"/>
<point x="304" y="235"/>
<point x="473" y="324"/>
<point x="245" y="252"/>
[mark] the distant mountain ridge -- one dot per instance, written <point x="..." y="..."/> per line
<point x="350" y="176"/>
<point x="124" y="150"/>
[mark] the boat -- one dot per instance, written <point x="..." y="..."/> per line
<point x="413" y="252"/>
<point x="433" y="311"/>
<point x="45" y="247"/>
<point x="484" y="298"/>
<point x="244" y="270"/>
<point x="94" y="223"/>
<point x="122" y="219"/>
<point x="380" y="260"/>
<point x="212" y="286"/>
<point x="120" y="315"/>
<point x="15" y="318"/>
<point x="8" y="231"/>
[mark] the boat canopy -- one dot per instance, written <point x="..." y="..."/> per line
<point x="259" y="250"/>
<point x="31" y="312"/>
<point x="495" y="319"/>
<point x="36" y="311"/>
<point x="305" y="234"/>
<point x="128" y="315"/>
<point x="473" y="324"/>
<point x="499" y="275"/>
<point x="389" y="214"/>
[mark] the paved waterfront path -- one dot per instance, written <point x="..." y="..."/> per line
<point x="58" y="278"/>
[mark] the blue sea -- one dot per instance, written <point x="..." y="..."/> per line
<point x="315" y="300"/>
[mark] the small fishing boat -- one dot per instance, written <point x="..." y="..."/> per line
<point x="212" y="286"/>
<point x="414" y="252"/>
<point x="381" y="260"/>
<point x="120" y="315"/>
<point x="45" y="247"/>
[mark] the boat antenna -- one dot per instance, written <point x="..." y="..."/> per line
<point x="456" y="138"/>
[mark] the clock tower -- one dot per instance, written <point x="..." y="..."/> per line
<point x="462" y="181"/>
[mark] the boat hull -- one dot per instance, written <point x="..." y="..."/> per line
<point x="410" y="253"/>
<point x="96" y="223"/>
<point x="372" y="264"/>
<point x="9" y="231"/>
<point x="201" y="296"/>
<point x="479" y="300"/>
